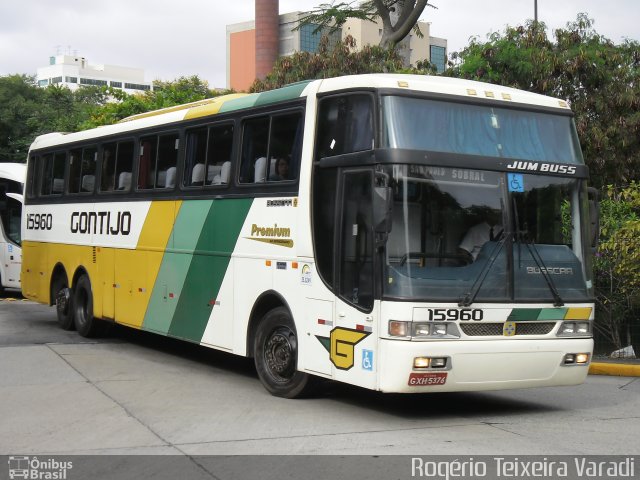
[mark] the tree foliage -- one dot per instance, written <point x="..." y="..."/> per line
<point x="398" y="17"/>
<point x="342" y="59"/>
<point x="164" y="94"/>
<point x="599" y="79"/>
<point x="617" y="266"/>
<point x="27" y="111"/>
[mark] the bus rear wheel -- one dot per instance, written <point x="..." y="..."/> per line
<point x="276" y="356"/>
<point x="86" y="324"/>
<point x="63" y="297"/>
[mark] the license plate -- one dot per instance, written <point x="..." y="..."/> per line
<point x="427" y="379"/>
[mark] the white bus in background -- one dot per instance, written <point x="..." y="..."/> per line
<point x="12" y="176"/>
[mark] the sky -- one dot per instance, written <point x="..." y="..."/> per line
<point x="170" y="39"/>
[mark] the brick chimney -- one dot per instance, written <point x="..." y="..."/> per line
<point x="267" y="33"/>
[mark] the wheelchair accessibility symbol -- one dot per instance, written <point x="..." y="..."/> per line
<point x="367" y="360"/>
<point x="516" y="182"/>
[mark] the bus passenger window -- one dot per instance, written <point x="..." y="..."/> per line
<point x="167" y="160"/>
<point x="124" y="166"/>
<point x="196" y="157"/>
<point x="82" y="169"/>
<point x="147" y="165"/>
<point x="52" y="174"/>
<point x="285" y="147"/>
<point x="88" y="169"/>
<point x="219" y="155"/>
<point x="271" y="148"/>
<point x="107" y="180"/>
<point x="255" y="140"/>
<point x="345" y="125"/>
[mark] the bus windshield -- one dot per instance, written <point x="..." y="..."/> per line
<point x="464" y="235"/>
<point x="438" y="126"/>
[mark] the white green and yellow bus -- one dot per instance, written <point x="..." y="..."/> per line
<point x="12" y="176"/>
<point x="321" y="229"/>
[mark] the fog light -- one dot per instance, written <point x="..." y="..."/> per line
<point x="439" y="329"/>
<point x="398" y="328"/>
<point x="438" y="362"/>
<point x="569" y="359"/>
<point x="421" y="362"/>
<point x="420" y="329"/>
<point x="582" y="358"/>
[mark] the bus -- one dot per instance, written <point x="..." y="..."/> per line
<point x="12" y="177"/>
<point x="348" y="264"/>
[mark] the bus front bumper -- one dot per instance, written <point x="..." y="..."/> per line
<point x="474" y="365"/>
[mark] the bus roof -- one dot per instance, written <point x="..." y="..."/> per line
<point x="13" y="171"/>
<point x="228" y="103"/>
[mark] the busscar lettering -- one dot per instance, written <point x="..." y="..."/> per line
<point x="101" y="223"/>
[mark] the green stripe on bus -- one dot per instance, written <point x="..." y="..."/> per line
<point x="520" y="314"/>
<point x="175" y="265"/>
<point x="217" y="240"/>
<point x="530" y="314"/>
<point x="552" y="314"/>
<point x="289" y="92"/>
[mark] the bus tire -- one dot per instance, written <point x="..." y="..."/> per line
<point x="276" y="356"/>
<point x="86" y="324"/>
<point x="63" y="298"/>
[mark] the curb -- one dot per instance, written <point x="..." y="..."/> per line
<point x="616" y="369"/>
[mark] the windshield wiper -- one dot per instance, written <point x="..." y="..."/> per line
<point x="470" y="296"/>
<point x="531" y="246"/>
<point x="537" y="258"/>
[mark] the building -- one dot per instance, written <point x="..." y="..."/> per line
<point x="74" y="71"/>
<point x="241" y="44"/>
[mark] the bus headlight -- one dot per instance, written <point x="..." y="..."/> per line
<point x="575" y="329"/>
<point x="423" y="330"/>
<point x="398" y="328"/>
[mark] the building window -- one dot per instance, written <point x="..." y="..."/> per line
<point x="116" y="84"/>
<point x="43" y="83"/>
<point x="438" y="57"/>
<point x="310" y="41"/>
<point x="136" y="86"/>
<point x="56" y="80"/>
<point x="92" y="81"/>
<point x="71" y="79"/>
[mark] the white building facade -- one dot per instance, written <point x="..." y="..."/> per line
<point x="74" y="71"/>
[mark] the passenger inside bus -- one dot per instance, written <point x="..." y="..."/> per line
<point x="489" y="229"/>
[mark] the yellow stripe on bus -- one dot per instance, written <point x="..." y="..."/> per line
<point x="578" y="313"/>
<point x="136" y="270"/>
<point x="213" y="107"/>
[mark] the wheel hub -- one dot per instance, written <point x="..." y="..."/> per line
<point x="279" y="353"/>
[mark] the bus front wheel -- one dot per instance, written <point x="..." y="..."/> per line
<point x="276" y="356"/>
<point x="86" y="324"/>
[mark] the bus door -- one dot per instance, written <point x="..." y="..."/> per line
<point x="11" y="254"/>
<point x="353" y="339"/>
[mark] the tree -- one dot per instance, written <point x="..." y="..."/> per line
<point x="617" y="267"/>
<point x="164" y="94"/>
<point x="341" y="60"/>
<point x="398" y="17"/>
<point x="600" y="80"/>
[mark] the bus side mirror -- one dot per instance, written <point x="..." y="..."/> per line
<point x="382" y="211"/>
<point x="594" y="215"/>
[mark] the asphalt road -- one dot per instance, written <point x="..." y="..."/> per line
<point x="138" y="393"/>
